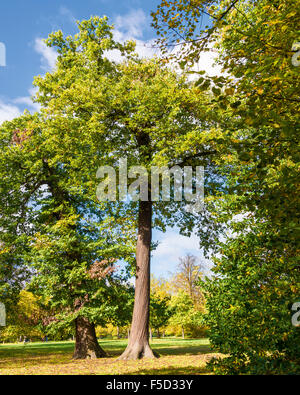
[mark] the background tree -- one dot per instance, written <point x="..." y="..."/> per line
<point x="13" y="272"/>
<point x="71" y="243"/>
<point x="187" y="278"/>
<point x="14" y="191"/>
<point x="160" y="286"/>
<point x="160" y="312"/>
<point x="184" y="313"/>
<point x="24" y="319"/>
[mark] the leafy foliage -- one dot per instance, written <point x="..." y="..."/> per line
<point x="185" y="314"/>
<point x="256" y="271"/>
<point x="160" y="312"/>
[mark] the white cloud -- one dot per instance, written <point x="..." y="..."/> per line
<point x="65" y="12"/>
<point x="171" y="247"/>
<point x="8" y="112"/>
<point x="126" y="27"/>
<point x="10" y="109"/>
<point x="131" y="27"/>
<point x="173" y="244"/>
<point x="27" y="100"/>
<point x="206" y="62"/>
<point x="49" y="55"/>
<point x="143" y="48"/>
<point x="132" y="23"/>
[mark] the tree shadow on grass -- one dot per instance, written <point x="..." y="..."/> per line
<point x="204" y="349"/>
<point x="35" y="349"/>
<point x="183" y="370"/>
<point x="61" y="353"/>
<point x="171" y="351"/>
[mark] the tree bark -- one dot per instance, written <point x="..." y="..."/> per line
<point x="158" y="334"/>
<point x="183" y="332"/>
<point x="86" y="343"/>
<point x="138" y="345"/>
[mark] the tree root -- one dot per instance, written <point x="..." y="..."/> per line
<point x="138" y="351"/>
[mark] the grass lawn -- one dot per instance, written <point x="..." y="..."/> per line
<point x="177" y="356"/>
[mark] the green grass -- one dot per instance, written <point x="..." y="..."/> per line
<point x="177" y="356"/>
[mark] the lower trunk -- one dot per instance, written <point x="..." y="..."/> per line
<point x="182" y="332"/>
<point x="118" y="332"/>
<point x="86" y="343"/>
<point x="158" y="334"/>
<point x="138" y="345"/>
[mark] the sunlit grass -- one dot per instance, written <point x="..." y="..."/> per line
<point x="177" y="356"/>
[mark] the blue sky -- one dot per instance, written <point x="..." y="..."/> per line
<point x="23" y="26"/>
<point x="25" y="23"/>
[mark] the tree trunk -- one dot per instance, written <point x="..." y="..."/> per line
<point x="158" y="334"/>
<point x="86" y="343"/>
<point x="138" y="345"/>
<point x="183" y="332"/>
<point x="118" y="332"/>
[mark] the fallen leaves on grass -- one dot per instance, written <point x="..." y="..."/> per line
<point x="185" y="358"/>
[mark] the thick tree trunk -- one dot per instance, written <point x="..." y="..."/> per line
<point x="138" y="345"/>
<point x="86" y="343"/>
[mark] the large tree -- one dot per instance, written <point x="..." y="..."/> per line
<point x="71" y="240"/>
<point x="138" y="110"/>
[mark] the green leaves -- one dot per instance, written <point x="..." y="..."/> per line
<point x="255" y="277"/>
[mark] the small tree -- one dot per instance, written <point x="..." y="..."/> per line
<point x="184" y="313"/>
<point x="160" y="312"/>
